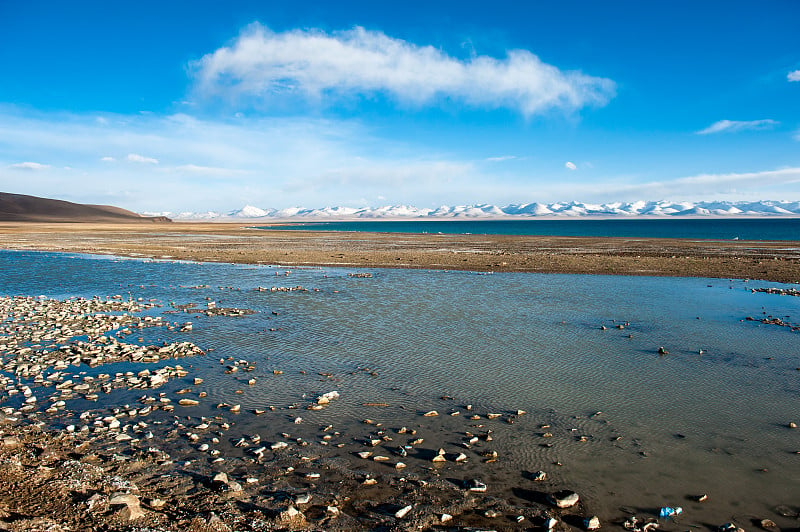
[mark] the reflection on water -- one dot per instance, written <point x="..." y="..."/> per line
<point x="578" y="353"/>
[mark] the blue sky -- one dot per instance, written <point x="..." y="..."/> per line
<point x="158" y="106"/>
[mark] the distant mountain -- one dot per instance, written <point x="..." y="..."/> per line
<point x="21" y="208"/>
<point x="650" y="209"/>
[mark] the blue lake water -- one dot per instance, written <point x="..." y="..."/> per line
<point x="703" y="228"/>
<point x="657" y="428"/>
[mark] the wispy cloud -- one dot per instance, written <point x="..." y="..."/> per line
<point x="108" y="159"/>
<point x="207" y="170"/>
<point x="29" y="166"/>
<point x="570" y="165"/>
<point x="793" y="75"/>
<point x="315" y="64"/>
<point x="223" y="165"/>
<point x="732" y="126"/>
<point x="782" y="183"/>
<point x="136" y="158"/>
<point x="284" y="162"/>
<point x="501" y="158"/>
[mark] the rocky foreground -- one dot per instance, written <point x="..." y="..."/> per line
<point x="101" y="430"/>
<point x="72" y="458"/>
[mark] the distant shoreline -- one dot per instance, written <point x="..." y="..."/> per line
<point x="786" y="229"/>
<point x="777" y="261"/>
<point x="509" y="217"/>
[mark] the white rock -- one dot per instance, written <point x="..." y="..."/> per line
<point x="402" y="512"/>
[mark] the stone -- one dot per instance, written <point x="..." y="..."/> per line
<point x="539" y="476"/>
<point x="157" y="504"/>
<point x="564" y="498"/>
<point x="402" y="512"/>
<point x="126" y="499"/>
<point x="292" y="516"/>
<point x="131" y="502"/>
<point x="134" y="512"/>
<point x="476" y="485"/>
<point x="591" y="523"/>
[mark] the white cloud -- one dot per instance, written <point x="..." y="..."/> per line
<point x="29" y="166"/>
<point x="501" y="158"/>
<point x="273" y="161"/>
<point x="570" y="165"/>
<point x="312" y="63"/>
<point x="283" y="161"/>
<point x="107" y="159"/>
<point x="781" y="183"/>
<point x="136" y="158"/>
<point x="207" y="170"/>
<point x="737" y="125"/>
<point x="793" y="76"/>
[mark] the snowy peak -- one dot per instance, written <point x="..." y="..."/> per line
<point x="572" y="209"/>
<point x="248" y="211"/>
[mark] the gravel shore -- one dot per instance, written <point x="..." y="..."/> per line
<point x="227" y="242"/>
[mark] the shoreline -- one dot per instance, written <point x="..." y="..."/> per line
<point x="776" y="261"/>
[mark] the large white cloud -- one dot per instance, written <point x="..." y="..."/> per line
<point x="794" y="75"/>
<point x="313" y="63"/>
<point x="732" y="126"/>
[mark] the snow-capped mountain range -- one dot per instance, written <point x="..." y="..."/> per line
<point x="524" y="210"/>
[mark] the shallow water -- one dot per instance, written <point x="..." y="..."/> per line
<point x="694" y="228"/>
<point x="668" y="426"/>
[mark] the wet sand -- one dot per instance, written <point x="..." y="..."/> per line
<point x="777" y="261"/>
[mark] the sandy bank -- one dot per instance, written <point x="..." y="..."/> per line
<point x="219" y="242"/>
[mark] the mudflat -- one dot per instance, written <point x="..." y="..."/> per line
<point x="777" y="261"/>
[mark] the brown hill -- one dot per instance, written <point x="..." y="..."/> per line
<point x="21" y="208"/>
